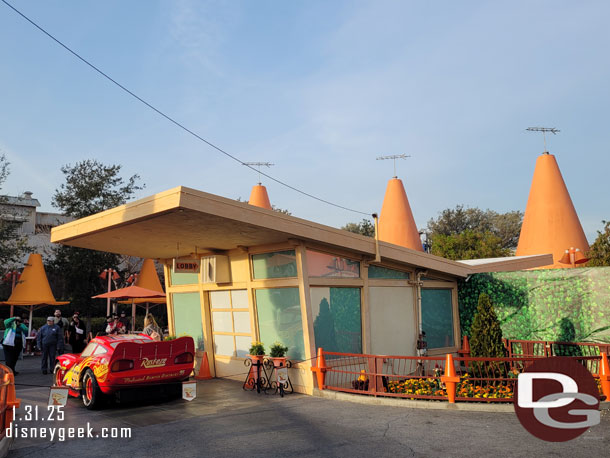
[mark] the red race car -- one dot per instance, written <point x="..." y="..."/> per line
<point x="113" y="363"/>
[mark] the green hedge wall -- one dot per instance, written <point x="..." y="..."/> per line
<point x="537" y="304"/>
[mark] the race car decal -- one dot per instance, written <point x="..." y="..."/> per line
<point x="150" y="363"/>
<point x="101" y="372"/>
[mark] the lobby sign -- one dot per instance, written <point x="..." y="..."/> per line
<point x="186" y="266"/>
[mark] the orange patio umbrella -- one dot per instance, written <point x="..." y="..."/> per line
<point x="33" y="290"/>
<point x="131" y="292"/>
<point x="147" y="278"/>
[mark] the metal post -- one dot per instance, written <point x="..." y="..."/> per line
<point x="109" y="273"/>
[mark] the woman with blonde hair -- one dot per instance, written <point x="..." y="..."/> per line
<point x="151" y="328"/>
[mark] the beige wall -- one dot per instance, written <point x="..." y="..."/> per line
<point x="393" y="320"/>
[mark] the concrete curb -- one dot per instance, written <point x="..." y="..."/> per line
<point x="418" y="404"/>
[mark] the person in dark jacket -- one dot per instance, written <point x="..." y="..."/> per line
<point x="13" y="349"/>
<point x="76" y="334"/>
<point x="50" y="339"/>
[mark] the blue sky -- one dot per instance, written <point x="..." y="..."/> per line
<point x="320" y="89"/>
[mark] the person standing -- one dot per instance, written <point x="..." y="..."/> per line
<point x="50" y="339"/>
<point x="126" y="321"/>
<point x="63" y="325"/>
<point x="76" y="334"/>
<point x="15" y="333"/>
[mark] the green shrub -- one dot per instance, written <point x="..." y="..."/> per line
<point x="277" y="350"/>
<point x="485" y="332"/>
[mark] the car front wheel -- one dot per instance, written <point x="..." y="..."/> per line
<point x="91" y="393"/>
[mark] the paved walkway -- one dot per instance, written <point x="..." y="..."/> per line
<point x="225" y="421"/>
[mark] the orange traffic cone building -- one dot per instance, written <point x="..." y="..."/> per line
<point x="396" y="223"/>
<point x="259" y="197"/>
<point x="550" y="223"/>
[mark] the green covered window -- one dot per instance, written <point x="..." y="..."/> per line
<point x="279" y="319"/>
<point x="387" y="274"/>
<point x="183" y="278"/>
<point x="187" y="317"/>
<point x="337" y="320"/>
<point x="331" y="266"/>
<point x="279" y="264"/>
<point x="437" y="317"/>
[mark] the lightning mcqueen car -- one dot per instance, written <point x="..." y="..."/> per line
<point x="113" y="363"/>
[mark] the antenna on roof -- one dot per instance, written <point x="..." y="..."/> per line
<point x="258" y="165"/>
<point x="544" y="130"/>
<point x="394" y="157"/>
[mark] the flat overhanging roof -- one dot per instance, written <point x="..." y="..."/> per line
<point x="182" y="221"/>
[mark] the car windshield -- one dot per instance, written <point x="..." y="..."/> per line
<point x="89" y="349"/>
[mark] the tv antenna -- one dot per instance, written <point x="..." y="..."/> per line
<point x="393" y="157"/>
<point x="258" y="166"/>
<point x="544" y="130"/>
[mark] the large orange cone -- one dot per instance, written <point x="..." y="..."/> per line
<point x="147" y="279"/>
<point x="33" y="287"/>
<point x="396" y="223"/>
<point x="259" y="197"/>
<point x="204" y="369"/>
<point x="550" y="223"/>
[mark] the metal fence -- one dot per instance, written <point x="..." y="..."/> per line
<point x="480" y="379"/>
<point x="543" y="348"/>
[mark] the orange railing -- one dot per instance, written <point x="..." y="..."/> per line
<point x="547" y="348"/>
<point x="477" y="379"/>
<point x="7" y="399"/>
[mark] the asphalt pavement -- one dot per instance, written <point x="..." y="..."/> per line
<point x="225" y="421"/>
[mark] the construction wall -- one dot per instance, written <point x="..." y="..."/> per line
<point x="551" y="304"/>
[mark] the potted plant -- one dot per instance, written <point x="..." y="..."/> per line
<point x="257" y="355"/>
<point x="277" y="353"/>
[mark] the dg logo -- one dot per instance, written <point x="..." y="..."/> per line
<point x="556" y="399"/>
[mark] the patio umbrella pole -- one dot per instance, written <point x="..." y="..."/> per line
<point x="133" y="314"/>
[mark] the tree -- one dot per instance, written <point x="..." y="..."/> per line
<point x="364" y="227"/>
<point x="599" y="254"/>
<point x="468" y="245"/>
<point x="90" y="187"/>
<point x="485" y="331"/>
<point x="479" y="233"/>
<point x="12" y="245"/>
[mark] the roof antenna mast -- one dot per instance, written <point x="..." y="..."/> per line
<point x="393" y="157"/>
<point x="544" y="130"/>
<point x="258" y="166"/>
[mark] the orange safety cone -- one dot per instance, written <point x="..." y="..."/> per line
<point x="604" y="376"/>
<point x="204" y="369"/>
<point x="450" y="379"/>
<point x="320" y="369"/>
<point x="11" y="399"/>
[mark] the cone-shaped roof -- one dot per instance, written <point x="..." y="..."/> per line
<point x="396" y="223"/>
<point x="259" y="197"/>
<point x="148" y="279"/>
<point x="33" y="287"/>
<point x="550" y="223"/>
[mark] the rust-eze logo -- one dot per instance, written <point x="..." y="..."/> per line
<point x="150" y="363"/>
<point x="556" y="399"/>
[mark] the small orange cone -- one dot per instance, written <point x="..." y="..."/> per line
<point x="320" y="369"/>
<point x="450" y="379"/>
<point x="204" y="369"/>
<point x="604" y="376"/>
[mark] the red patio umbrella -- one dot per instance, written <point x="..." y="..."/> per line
<point x="130" y="292"/>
